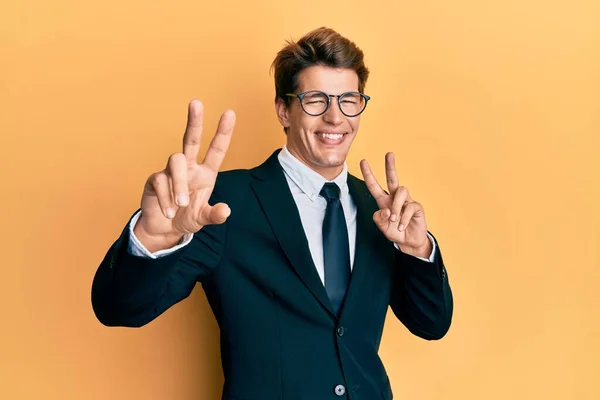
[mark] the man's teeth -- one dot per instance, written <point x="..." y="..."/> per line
<point x="332" y="136"/>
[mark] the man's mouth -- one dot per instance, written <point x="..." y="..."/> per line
<point x="332" y="138"/>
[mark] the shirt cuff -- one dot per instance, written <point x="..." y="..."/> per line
<point x="136" y="247"/>
<point x="434" y="247"/>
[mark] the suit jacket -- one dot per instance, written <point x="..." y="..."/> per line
<point x="280" y="339"/>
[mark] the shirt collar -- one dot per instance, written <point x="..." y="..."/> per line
<point x="309" y="181"/>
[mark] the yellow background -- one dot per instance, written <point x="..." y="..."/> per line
<point x="491" y="107"/>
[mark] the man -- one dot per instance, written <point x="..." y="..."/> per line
<point x="299" y="260"/>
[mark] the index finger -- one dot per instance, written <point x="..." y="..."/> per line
<point x="220" y="143"/>
<point x="372" y="184"/>
<point x="193" y="131"/>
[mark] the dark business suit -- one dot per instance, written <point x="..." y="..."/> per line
<point x="280" y="339"/>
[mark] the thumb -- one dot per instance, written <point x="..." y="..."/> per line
<point x="216" y="214"/>
<point x="381" y="218"/>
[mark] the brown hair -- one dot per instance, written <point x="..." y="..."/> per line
<point x="322" y="46"/>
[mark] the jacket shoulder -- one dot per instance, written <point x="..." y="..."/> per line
<point x="234" y="176"/>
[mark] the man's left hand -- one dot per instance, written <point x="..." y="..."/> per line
<point x="401" y="219"/>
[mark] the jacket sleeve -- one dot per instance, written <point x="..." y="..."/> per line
<point x="421" y="296"/>
<point x="131" y="291"/>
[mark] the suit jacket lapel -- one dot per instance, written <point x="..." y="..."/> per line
<point x="365" y="229"/>
<point x="279" y="206"/>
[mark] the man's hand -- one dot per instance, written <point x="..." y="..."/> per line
<point x="175" y="200"/>
<point x="401" y="219"/>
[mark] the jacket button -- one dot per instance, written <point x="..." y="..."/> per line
<point x="340" y="331"/>
<point x="340" y="390"/>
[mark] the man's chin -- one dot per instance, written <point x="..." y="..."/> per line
<point x="328" y="158"/>
<point x="331" y="162"/>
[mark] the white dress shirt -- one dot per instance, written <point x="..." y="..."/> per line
<point x="305" y="185"/>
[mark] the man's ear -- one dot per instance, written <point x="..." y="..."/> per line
<point x="283" y="113"/>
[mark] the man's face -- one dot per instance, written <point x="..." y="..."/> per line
<point x="321" y="142"/>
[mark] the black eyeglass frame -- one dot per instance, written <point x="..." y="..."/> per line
<point x="300" y="96"/>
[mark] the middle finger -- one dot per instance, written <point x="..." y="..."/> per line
<point x="390" y="172"/>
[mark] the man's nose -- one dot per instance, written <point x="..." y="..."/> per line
<point x="334" y="115"/>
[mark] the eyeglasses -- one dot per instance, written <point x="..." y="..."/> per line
<point x="315" y="102"/>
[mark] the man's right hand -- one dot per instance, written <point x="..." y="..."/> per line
<point x="175" y="200"/>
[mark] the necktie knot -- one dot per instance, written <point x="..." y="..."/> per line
<point x="330" y="191"/>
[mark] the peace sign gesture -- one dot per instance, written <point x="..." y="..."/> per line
<point x="175" y="200"/>
<point x="401" y="219"/>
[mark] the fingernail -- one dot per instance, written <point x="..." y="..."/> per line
<point x="182" y="199"/>
<point x="170" y="213"/>
<point x="393" y="218"/>
<point x="401" y="227"/>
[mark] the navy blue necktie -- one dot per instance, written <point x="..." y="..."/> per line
<point x="336" y="250"/>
